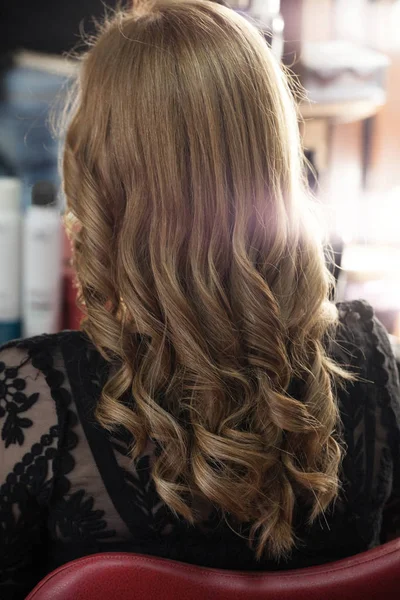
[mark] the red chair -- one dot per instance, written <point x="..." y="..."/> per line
<point x="373" y="575"/>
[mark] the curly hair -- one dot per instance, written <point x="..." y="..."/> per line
<point x="201" y="267"/>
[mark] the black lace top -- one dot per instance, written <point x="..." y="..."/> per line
<point x="68" y="488"/>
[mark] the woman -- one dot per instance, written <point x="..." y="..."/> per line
<point x="217" y="409"/>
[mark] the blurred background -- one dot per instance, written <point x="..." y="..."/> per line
<point x="347" y="56"/>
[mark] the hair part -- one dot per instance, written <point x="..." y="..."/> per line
<point x="200" y="266"/>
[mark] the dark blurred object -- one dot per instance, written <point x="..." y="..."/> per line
<point x="71" y="313"/>
<point x="47" y="26"/>
<point x="312" y="172"/>
<point x="337" y="248"/>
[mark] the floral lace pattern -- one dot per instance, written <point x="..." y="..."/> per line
<point x="13" y="403"/>
<point x="30" y="485"/>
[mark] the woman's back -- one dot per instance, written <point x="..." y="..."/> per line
<point x="216" y="363"/>
<point x="70" y="488"/>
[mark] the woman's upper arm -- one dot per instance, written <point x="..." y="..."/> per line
<point x="370" y="411"/>
<point x="391" y="517"/>
<point x="28" y="446"/>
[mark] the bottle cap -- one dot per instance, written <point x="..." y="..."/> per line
<point x="10" y="194"/>
<point x="43" y="194"/>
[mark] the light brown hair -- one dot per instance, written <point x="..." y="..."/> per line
<point x="201" y="269"/>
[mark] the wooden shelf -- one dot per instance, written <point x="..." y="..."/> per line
<point x="348" y="111"/>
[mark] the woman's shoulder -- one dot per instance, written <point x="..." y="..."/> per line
<point x="34" y="385"/>
<point x="43" y="343"/>
<point x="370" y="417"/>
<point x="357" y="322"/>
<point x="39" y="411"/>
<point x="370" y="405"/>
<point x="44" y="353"/>
<point x="362" y="343"/>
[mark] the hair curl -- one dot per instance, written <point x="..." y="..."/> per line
<point x="200" y="266"/>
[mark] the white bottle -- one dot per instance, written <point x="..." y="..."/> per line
<point x="10" y="256"/>
<point x="42" y="259"/>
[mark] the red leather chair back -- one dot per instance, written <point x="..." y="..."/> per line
<point x="373" y="575"/>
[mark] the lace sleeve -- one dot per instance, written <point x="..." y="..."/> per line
<point x="391" y="515"/>
<point x="28" y="446"/>
<point x="371" y="416"/>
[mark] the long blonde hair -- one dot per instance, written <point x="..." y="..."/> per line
<point x="201" y="269"/>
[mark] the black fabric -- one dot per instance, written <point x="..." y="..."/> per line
<point x="68" y="489"/>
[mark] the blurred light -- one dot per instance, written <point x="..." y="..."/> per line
<point x="382" y="217"/>
<point x="350" y="20"/>
<point x="394" y="25"/>
<point x="374" y="218"/>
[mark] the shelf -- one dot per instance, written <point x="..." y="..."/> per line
<point x="348" y="111"/>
